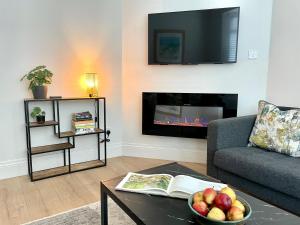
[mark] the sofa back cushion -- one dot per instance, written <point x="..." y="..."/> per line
<point x="277" y="130"/>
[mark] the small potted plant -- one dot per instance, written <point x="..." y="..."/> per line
<point x="38" y="78"/>
<point x="38" y="114"/>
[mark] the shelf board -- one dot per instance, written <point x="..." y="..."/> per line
<point x="62" y="170"/>
<point x="62" y="99"/>
<point x="37" y="100"/>
<point x="86" y="165"/>
<point x="42" y="174"/>
<point x="50" y="148"/>
<point x="72" y="134"/>
<point x="79" y="98"/>
<point x="47" y="123"/>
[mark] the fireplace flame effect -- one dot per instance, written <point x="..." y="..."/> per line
<point x="185" y="122"/>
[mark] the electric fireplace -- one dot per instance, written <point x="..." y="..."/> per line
<point x="184" y="114"/>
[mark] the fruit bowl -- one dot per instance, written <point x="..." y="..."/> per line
<point x="208" y="221"/>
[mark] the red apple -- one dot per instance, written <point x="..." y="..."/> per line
<point x="201" y="208"/>
<point x="235" y="213"/>
<point x="198" y="197"/>
<point x="209" y="195"/>
<point x="223" y="201"/>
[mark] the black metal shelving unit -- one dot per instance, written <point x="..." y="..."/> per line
<point x="68" y="137"/>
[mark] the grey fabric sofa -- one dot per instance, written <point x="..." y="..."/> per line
<point x="270" y="176"/>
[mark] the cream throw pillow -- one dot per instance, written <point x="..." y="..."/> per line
<point x="276" y="130"/>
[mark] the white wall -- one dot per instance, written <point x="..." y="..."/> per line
<point x="248" y="78"/>
<point x="284" y="78"/>
<point x="70" y="37"/>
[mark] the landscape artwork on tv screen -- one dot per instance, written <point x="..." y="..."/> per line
<point x="188" y="116"/>
<point x="193" y="37"/>
<point x="169" y="46"/>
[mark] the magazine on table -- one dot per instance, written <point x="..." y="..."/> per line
<point x="180" y="186"/>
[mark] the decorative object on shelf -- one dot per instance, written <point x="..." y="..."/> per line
<point x="38" y="78"/>
<point x="91" y="84"/>
<point x="38" y="114"/>
<point x="82" y="116"/>
<point x="55" y="97"/>
<point x="83" y="123"/>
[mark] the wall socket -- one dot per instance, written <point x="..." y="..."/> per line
<point x="252" y="54"/>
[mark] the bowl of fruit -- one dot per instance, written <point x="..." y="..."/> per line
<point x="212" y="207"/>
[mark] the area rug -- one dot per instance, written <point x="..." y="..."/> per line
<point x="87" y="215"/>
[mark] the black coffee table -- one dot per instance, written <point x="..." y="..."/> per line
<point x="156" y="210"/>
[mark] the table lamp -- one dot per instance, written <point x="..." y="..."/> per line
<point x="91" y="84"/>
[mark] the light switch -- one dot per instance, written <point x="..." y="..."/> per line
<point x="252" y="54"/>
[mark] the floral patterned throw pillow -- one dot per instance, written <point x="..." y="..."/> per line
<point x="276" y="130"/>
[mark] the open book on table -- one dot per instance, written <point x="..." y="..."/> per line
<point x="180" y="186"/>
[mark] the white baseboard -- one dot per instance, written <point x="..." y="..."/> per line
<point x="18" y="167"/>
<point x="161" y="152"/>
<point x="13" y="168"/>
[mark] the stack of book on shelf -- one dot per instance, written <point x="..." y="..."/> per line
<point x="83" y="123"/>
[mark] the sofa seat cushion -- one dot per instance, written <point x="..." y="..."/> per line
<point x="270" y="169"/>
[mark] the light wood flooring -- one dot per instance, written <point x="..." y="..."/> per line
<point x="23" y="201"/>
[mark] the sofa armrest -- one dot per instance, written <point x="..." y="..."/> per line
<point x="227" y="133"/>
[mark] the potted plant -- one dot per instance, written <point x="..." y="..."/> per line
<point x="38" y="78"/>
<point x="38" y="114"/>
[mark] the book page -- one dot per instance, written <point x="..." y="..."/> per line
<point x="183" y="186"/>
<point x="142" y="183"/>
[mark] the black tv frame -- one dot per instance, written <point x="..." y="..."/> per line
<point x="199" y="63"/>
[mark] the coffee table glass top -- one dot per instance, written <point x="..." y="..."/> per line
<point x="157" y="210"/>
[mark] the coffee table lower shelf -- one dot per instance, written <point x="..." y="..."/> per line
<point x="62" y="170"/>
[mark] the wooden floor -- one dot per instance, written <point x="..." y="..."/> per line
<point x="23" y="201"/>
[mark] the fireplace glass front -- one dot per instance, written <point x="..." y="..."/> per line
<point x="184" y="114"/>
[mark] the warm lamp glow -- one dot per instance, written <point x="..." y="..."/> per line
<point x="91" y="84"/>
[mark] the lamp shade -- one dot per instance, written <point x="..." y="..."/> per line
<point x="91" y="84"/>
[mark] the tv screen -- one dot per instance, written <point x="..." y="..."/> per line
<point x="193" y="37"/>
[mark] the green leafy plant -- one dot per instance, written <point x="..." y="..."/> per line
<point x="39" y="76"/>
<point x="37" y="111"/>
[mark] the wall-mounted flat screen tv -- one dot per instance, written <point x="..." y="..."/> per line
<point x="193" y="37"/>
